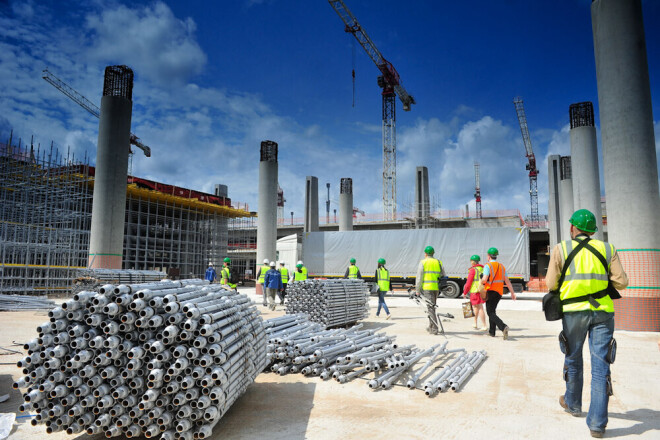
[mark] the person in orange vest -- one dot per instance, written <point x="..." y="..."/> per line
<point x="494" y="279"/>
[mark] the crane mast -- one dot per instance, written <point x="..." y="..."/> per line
<point x="87" y="105"/>
<point x="531" y="161"/>
<point x="390" y="82"/>
<point x="477" y="189"/>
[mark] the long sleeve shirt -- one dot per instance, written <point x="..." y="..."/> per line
<point x="616" y="274"/>
<point x="420" y="275"/>
<point x="273" y="279"/>
<point x="210" y="274"/>
<point x="470" y="279"/>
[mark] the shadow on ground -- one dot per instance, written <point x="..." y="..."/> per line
<point x="280" y="409"/>
<point x="647" y="420"/>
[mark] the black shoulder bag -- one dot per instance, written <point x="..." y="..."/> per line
<point x="552" y="305"/>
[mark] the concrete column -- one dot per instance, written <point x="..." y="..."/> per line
<point x="566" y="208"/>
<point x="554" y="203"/>
<point x="221" y="190"/>
<point x="346" y="204"/>
<point x="422" y="205"/>
<point x="584" y="160"/>
<point x="106" y="241"/>
<point x="311" y="204"/>
<point x="267" y="203"/>
<point x="629" y="157"/>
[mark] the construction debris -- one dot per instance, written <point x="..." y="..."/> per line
<point x="166" y="358"/>
<point x="329" y="302"/>
<point x="297" y="345"/>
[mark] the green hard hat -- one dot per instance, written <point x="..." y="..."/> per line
<point x="352" y="260"/>
<point x="475" y="257"/>
<point x="429" y="250"/>
<point x="298" y="265"/>
<point x="493" y="251"/>
<point x="227" y="260"/>
<point x="584" y="220"/>
<point x="381" y="261"/>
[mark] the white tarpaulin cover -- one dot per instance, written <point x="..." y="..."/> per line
<point x="327" y="253"/>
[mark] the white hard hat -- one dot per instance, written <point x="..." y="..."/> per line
<point x="282" y="262"/>
<point x="210" y="264"/>
<point x="300" y="262"/>
<point x="265" y="260"/>
<point x="272" y="264"/>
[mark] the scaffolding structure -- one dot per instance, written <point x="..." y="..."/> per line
<point x="45" y="222"/>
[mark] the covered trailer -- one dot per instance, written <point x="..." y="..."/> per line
<point x="326" y="254"/>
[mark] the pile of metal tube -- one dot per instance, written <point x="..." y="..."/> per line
<point x="329" y="302"/>
<point x="25" y="302"/>
<point x="298" y="345"/>
<point x="166" y="358"/>
<point x="88" y="279"/>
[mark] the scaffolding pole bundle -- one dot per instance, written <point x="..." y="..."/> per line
<point x="329" y="302"/>
<point x="89" y="279"/>
<point x="166" y="358"/>
<point x="298" y="345"/>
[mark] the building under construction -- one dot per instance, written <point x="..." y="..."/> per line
<point x="45" y="221"/>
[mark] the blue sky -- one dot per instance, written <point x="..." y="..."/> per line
<point x="214" y="79"/>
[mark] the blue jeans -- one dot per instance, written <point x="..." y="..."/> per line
<point x="381" y="302"/>
<point x="600" y="328"/>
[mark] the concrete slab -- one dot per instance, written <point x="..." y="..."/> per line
<point x="514" y="393"/>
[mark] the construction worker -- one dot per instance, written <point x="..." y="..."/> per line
<point x="210" y="275"/>
<point x="261" y="277"/>
<point x="284" y="272"/>
<point x="299" y="274"/>
<point x="494" y="278"/>
<point x="352" y="271"/>
<point x="384" y="286"/>
<point x="304" y="269"/>
<point x="225" y="274"/>
<point x="588" y="309"/>
<point x="273" y="284"/>
<point x="471" y="290"/>
<point x="429" y="274"/>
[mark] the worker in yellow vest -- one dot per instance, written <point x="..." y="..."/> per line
<point x="586" y="296"/>
<point x="494" y="278"/>
<point x="261" y="277"/>
<point x="225" y="274"/>
<point x="285" y="280"/>
<point x="384" y="286"/>
<point x="352" y="272"/>
<point x="299" y="274"/>
<point x="429" y="274"/>
<point x="303" y="268"/>
<point x="471" y="291"/>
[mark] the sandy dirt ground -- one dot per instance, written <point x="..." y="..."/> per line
<point x="513" y="395"/>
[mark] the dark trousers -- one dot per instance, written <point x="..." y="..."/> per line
<point x="492" y="300"/>
<point x="282" y="293"/>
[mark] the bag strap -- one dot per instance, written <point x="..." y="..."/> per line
<point x="591" y="296"/>
<point x="599" y="256"/>
<point x="569" y="260"/>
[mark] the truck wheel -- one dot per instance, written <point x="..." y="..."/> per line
<point x="452" y="290"/>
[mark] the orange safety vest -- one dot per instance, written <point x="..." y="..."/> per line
<point x="496" y="277"/>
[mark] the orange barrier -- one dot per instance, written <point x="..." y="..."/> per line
<point x="639" y="307"/>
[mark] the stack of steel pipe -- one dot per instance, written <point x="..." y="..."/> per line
<point x="329" y="302"/>
<point x="298" y="345"/>
<point x="166" y="358"/>
<point x="87" y="279"/>
<point x="25" y="302"/>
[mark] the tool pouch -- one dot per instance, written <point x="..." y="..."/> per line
<point x="563" y="342"/>
<point x="608" y="384"/>
<point x="611" y="351"/>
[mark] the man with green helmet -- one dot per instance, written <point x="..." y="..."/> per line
<point x="300" y="274"/>
<point x="261" y="277"/>
<point x="494" y="278"/>
<point x="352" y="271"/>
<point x="588" y="310"/>
<point x="285" y="280"/>
<point x="225" y="274"/>
<point x="384" y="286"/>
<point x="427" y="283"/>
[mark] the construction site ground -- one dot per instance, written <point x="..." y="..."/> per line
<point x="513" y="394"/>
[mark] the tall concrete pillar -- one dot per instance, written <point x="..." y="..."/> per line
<point x="346" y="204"/>
<point x="106" y="242"/>
<point x="554" y="203"/>
<point x="566" y="208"/>
<point x="584" y="159"/>
<point x="267" y="203"/>
<point x="311" y="204"/>
<point x="422" y="205"/>
<point x="221" y="190"/>
<point x="629" y="157"/>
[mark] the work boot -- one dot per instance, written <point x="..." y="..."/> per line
<point x="597" y="434"/>
<point x="562" y="403"/>
<point x="505" y="333"/>
<point x="388" y="316"/>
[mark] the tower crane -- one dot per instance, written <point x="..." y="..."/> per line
<point x="477" y="189"/>
<point x="87" y="105"/>
<point x="531" y="160"/>
<point x="390" y="82"/>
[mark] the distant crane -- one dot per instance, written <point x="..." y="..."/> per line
<point x="531" y="161"/>
<point x="390" y="82"/>
<point x="357" y="211"/>
<point x="477" y="189"/>
<point x="87" y="105"/>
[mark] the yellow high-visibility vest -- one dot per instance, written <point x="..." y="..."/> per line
<point x="586" y="275"/>
<point x="383" y="279"/>
<point x="299" y="276"/>
<point x="478" y="273"/>
<point x="225" y="277"/>
<point x="262" y="274"/>
<point x="285" y="275"/>
<point x="431" y="274"/>
<point x="353" y="271"/>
